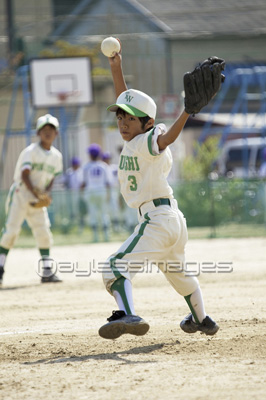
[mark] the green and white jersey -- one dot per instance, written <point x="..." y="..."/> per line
<point x="44" y="165"/>
<point x="143" y="169"/>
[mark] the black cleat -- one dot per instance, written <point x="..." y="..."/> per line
<point x="208" y="326"/>
<point x="49" y="277"/>
<point x="120" y="323"/>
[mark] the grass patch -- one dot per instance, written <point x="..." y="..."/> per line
<point x="74" y="236"/>
<point x="228" y="231"/>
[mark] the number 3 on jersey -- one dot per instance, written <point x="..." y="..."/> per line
<point x="133" y="181"/>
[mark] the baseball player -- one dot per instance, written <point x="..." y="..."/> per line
<point x="73" y="180"/>
<point x="28" y="197"/>
<point x="113" y="206"/>
<point x="96" y="184"/>
<point x="161" y="233"/>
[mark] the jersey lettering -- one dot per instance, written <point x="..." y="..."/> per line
<point x="136" y="162"/>
<point x="128" y="163"/>
<point x="43" y="167"/>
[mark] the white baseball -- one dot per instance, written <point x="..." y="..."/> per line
<point x="110" y="46"/>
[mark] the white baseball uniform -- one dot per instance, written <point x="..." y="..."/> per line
<point x="96" y="181"/>
<point x="114" y="194"/>
<point x="161" y="234"/>
<point x="73" y="181"/>
<point x="44" y="165"/>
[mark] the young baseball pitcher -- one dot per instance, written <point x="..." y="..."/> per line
<point x="29" y="197"/>
<point x="161" y="233"/>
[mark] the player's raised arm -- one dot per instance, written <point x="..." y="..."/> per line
<point x="117" y="72"/>
<point x="172" y="134"/>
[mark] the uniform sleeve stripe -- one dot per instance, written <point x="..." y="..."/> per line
<point x="150" y="142"/>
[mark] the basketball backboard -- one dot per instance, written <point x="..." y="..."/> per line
<point x="57" y="82"/>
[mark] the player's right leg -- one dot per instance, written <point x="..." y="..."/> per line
<point x="187" y="285"/>
<point x="117" y="278"/>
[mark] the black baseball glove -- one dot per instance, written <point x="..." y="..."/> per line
<point x="202" y="84"/>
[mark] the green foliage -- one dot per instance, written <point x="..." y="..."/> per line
<point x="201" y="164"/>
<point x="223" y="201"/>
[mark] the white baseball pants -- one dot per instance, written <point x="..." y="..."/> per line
<point x="159" y="238"/>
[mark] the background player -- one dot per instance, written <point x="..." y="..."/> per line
<point x="96" y="185"/>
<point x="114" y="194"/>
<point x="161" y="234"/>
<point x="73" y="180"/>
<point x="35" y="170"/>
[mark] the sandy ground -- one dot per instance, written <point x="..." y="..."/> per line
<point x="50" y="348"/>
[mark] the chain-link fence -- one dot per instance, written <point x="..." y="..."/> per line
<point x="208" y="204"/>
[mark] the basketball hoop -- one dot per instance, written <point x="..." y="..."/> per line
<point x="64" y="96"/>
<point x="61" y="82"/>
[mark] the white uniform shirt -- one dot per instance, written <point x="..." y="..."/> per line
<point x="143" y="169"/>
<point x="113" y="175"/>
<point x="44" y="165"/>
<point x="74" y="178"/>
<point x="95" y="175"/>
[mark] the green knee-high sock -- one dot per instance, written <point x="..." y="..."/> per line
<point x="45" y="253"/>
<point x="3" y="254"/>
<point x="122" y="292"/>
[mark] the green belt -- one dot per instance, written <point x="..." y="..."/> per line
<point x="159" y="202"/>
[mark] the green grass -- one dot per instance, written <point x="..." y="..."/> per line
<point x="228" y="231"/>
<point x="73" y="236"/>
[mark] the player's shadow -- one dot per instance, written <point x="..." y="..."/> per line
<point x="115" y="356"/>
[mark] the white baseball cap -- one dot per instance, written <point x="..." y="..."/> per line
<point x="136" y="103"/>
<point x="47" y="119"/>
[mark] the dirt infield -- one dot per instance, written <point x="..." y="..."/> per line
<point x="50" y="348"/>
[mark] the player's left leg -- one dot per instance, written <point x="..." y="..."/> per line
<point x="188" y="286"/>
<point x="197" y="320"/>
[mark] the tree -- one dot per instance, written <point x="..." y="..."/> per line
<point x="200" y="165"/>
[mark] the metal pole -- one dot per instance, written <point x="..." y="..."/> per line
<point x="10" y="28"/>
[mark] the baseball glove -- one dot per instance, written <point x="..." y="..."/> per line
<point x="202" y="84"/>
<point x="43" y="199"/>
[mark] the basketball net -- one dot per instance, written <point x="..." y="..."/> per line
<point x="64" y="96"/>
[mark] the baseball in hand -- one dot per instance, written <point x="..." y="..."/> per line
<point x="110" y="46"/>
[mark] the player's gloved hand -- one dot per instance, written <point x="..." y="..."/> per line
<point x="202" y="84"/>
<point x="43" y="199"/>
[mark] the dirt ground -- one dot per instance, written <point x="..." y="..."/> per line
<point x="50" y="348"/>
